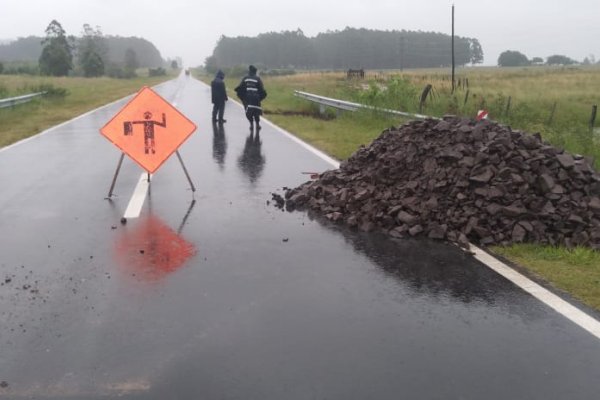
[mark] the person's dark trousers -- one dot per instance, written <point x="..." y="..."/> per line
<point x="253" y="115"/>
<point x="218" y="111"/>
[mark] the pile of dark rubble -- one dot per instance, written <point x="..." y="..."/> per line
<point x="461" y="181"/>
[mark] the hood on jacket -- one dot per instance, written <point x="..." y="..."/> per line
<point x="252" y="70"/>
<point x="220" y="74"/>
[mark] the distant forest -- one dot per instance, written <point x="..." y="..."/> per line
<point x="29" y="49"/>
<point x="350" y="48"/>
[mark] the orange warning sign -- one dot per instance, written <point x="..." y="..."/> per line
<point x="148" y="129"/>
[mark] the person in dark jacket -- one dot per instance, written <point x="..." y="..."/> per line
<point x="219" y="97"/>
<point x="252" y="92"/>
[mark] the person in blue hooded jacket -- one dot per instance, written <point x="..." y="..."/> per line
<point x="252" y="92"/>
<point x="219" y="97"/>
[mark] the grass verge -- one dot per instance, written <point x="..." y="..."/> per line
<point x="575" y="271"/>
<point x="83" y="94"/>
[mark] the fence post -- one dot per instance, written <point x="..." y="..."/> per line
<point x="424" y="97"/>
<point x="466" y="98"/>
<point x="593" y="117"/>
<point x="551" y="114"/>
<point x="507" y="106"/>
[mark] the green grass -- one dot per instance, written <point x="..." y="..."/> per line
<point x="533" y="92"/>
<point x="337" y="137"/>
<point x="83" y="94"/>
<point x="575" y="271"/>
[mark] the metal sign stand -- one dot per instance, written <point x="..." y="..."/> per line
<point x="114" y="181"/>
<point x="112" y="186"/>
<point x="185" y="170"/>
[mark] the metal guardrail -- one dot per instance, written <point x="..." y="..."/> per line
<point x="350" y="106"/>
<point x="13" y="101"/>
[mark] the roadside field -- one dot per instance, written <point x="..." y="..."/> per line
<point x="68" y="97"/>
<point x="534" y="93"/>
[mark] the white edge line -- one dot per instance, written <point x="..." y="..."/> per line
<point x="37" y="135"/>
<point x="559" y="305"/>
<point x="134" y="208"/>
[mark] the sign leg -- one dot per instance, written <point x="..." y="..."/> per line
<point x="186" y="172"/>
<point x="187" y="214"/>
<point x="112" y="186"/>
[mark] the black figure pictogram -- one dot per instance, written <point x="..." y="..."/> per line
<point x="148" y="130"/>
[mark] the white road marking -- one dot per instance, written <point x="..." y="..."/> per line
<point x="559" y="305"/>
<point x="134" y="208"/>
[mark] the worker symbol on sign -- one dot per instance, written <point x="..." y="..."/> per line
<point x="148" y="130"/>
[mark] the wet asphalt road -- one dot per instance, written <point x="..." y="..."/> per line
<point x="223" y="296"/>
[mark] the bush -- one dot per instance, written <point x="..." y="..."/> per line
<point x="51" y="90"/>
<point x="119" y="72"/>
<point x="397" y="94"/>
<point x="157" y="71"/>
<point x="21" y="69"/>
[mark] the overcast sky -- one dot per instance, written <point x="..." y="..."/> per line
<point x="190" y="28"/>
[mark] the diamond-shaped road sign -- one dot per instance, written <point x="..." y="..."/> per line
<point x="148" y="129"/>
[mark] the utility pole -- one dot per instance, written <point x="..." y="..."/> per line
<point x="453" y="65"/>
<point x="402" y="39"/>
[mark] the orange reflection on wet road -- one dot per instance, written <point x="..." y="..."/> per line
<point x="150" y="250"/>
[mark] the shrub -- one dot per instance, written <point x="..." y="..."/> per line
<point x="157" y="71"/>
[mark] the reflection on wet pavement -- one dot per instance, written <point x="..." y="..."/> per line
<point x="219" y="149"/>
<point x="436" y="270"/>
<point x="252" y="161"/>
<point x="151" y="250"/>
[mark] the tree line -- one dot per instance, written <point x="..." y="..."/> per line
<point x="349" y="48"/>
<point x="513" y="58"/>
<point x="91" y="54"/>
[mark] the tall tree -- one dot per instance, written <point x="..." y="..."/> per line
<point x="131" y="63"/>
<point x="559" y="60"/>
<point x="57" y="54"/>
<point x="511" y="58"/>
<point x="537" y="60"/>
<point x="92" y="51"/>
<point x="476" y="51"/>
